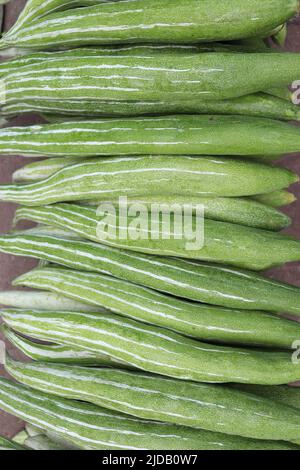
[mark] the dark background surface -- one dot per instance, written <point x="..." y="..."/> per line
<point x="11" y="266"/>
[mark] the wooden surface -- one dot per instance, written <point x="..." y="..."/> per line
<point x="11" y="267"/>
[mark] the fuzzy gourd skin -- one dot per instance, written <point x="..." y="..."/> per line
<point x="199" y="321"/>
<point x="165" y="135"/>
<point x="160" y="21"/>
<point x="150" y="77"/>
<point x="91" y="427"/>
<point x="158" y="175"/>
<point x="274" y="103"/>
<point x="255" y="105"/>
<point x="160" y="399"/>
<point x="243" y="211"/>
<point x="276" y="199"/>
<point x="220" y="242"/>
<point x="202" y="282"/>
<point x="156" y="350"/>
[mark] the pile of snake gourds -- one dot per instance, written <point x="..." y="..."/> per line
<point x="143" y="343"/>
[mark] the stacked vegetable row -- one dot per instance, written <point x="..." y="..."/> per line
<point x="148" y="344"/>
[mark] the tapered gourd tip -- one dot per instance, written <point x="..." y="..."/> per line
<point x="281" y="36"/>
<point x="287" y="221"/>
<point x="293" y="198"/>
<point x="18" y="175"/>
<point x="297" y="179"/>
<point x="290" y="198"/>
<point x="294" y="178"/>
<point x="18" y="281"/>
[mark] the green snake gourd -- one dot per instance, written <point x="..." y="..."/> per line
<point x="160" y="399"/>
<point x="91" y="427"/>
<point x="155" y="349"/>
<point x="222" y="242"/>
<point x="160" y="21"/>
<point x="157" y="136"/>
<point x="202" y="282"/>
<point x="200" y="321"/>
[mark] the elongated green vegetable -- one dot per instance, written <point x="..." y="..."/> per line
<point x="200" y="321"/>
<point x="276" y="199"/>
<point x="155" y="349"/>
<point x="113" y="177"/>
<point x="43" y="301"/>
<point x="199" y="135"/>
<point x="256" y="105"/>
<point x="141" y="21"/>
<point x="237" y="210"/>
<point x="42" y="169"/>
<point x="7" y="444"/>
<point x="91" y="427"/>
<point x="221" y="242"/>
<point x="150" y="77"/>
<point x="150" y="397"/>
<point x="240" y="211"/>
<point x="59" y="353"/>
<point x="208" y="283"/>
